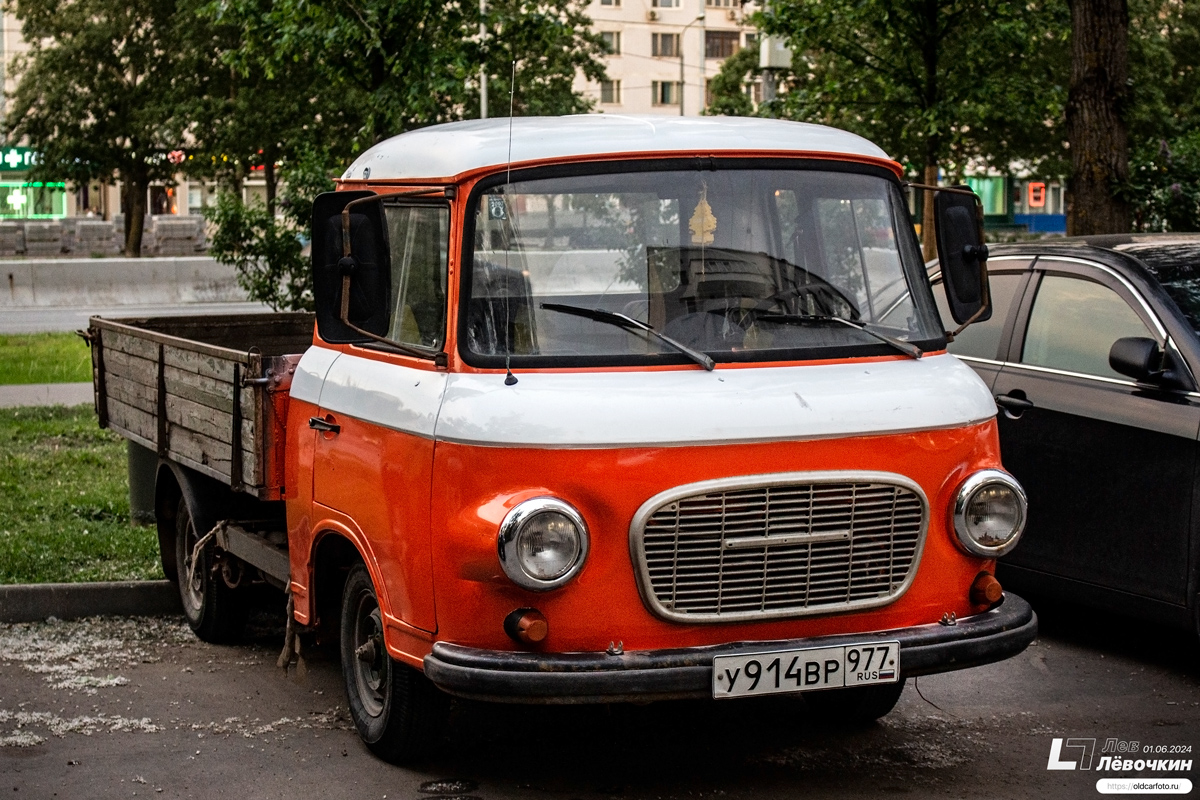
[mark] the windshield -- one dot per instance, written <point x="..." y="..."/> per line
<point x="740" y="264"/>
<point x="1177" y="267"/>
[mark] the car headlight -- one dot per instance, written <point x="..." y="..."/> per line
<point x="989" y="513"/>
<point x="543" y="543"/>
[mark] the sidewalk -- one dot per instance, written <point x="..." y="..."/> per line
<point x="45" y="394"/>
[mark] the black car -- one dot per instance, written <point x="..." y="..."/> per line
<point x="1092" y="353"/>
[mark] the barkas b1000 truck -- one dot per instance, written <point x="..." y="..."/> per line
<point x="597" y="409"/>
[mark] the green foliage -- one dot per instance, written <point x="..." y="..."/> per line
<point x="97" y="91"/>
<point x="266" y="250"/>
<point x="942" y="82"/>
<point x="64" y="501"/>
<point x="44" y="358"/>
<point x="412" y="63"/>
<point x="1164" y="185"/>
<point x="730" y="87"/>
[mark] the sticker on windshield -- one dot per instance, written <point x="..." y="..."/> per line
<point x="703" y="223"/>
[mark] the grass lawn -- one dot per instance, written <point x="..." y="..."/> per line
<point x="64" y="501"/>
<point x="44" y="358"/>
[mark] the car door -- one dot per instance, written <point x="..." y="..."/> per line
<point x="1107" y="464"/>
<point x="373" y="461"/>
<point x="982" y="344"/>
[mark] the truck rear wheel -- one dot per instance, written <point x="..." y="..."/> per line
<point x="856" y="705"/>
<point x="214" y="611"/>
<point x="398" y="712"/>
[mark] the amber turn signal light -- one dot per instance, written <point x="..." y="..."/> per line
<point x="985" y="590"/>
<point x="527" y="625"/>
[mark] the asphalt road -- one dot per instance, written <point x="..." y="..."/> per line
<point x="120" y="708"/>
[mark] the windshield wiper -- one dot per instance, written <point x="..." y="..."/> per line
<point x="902" y="346"/>
<point x="629" y="323"/>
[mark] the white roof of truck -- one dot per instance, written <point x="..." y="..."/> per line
<point x="451" y="149"/>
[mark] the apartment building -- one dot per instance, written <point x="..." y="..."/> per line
<point x="664" y="52"/>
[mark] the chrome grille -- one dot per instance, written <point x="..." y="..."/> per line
<point x="792" y="545"/>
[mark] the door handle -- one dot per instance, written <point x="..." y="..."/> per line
<point x="318" y="424"/>
<point x="1010" y="402"/>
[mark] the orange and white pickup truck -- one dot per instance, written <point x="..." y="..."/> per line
<point x="596" y="408"/>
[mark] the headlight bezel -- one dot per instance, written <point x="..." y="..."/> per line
<point x="510" y="530"/>
<point x="962" y="501"/>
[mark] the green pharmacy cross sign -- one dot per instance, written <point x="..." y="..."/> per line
<point x="17" y="159"/>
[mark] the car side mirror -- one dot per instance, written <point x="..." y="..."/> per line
<point x="962" y="254"/>
<point x="351" y="267"/>
<point x="1144" y="360"/>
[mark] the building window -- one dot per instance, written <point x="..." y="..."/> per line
<point x="664" y="3"/>
<point x="751" y="40"/>
<point x="666" y="93"/>
<point x="610" y="91"/>
<point x="664" y="44"/>
<point x="610" y="2"/>
<point x="722" y="3"/>
<point x="721" y="44"/>
<point x="612" y="40"/>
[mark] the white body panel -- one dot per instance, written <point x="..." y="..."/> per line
<point x="444" y="151"/>
<point x="657" y="408"/>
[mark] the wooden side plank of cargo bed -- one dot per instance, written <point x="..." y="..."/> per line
<point x="197" y="400"/>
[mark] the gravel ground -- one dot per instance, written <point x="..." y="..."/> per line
<point x="111" y="707"/>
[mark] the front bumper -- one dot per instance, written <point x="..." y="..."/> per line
<point x="521" y="677"/>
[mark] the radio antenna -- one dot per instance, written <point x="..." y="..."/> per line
<point x="509" y="378"/>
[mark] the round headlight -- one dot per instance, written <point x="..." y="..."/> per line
<point x="989" y="513"/>
<point x="542" y="543"/>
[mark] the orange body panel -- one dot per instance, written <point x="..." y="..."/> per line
<point x="475" y="486"/>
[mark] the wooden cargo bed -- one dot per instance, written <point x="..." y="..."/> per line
<point x="208" y="392"/>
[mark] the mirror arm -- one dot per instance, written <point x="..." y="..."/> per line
<point x="929" y="188"/>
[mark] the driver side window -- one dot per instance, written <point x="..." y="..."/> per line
<point x="419" y="241"/>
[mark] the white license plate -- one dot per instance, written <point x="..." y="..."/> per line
<point x="806" y="670"/>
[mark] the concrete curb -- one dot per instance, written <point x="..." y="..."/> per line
<point x="37" y="601"/>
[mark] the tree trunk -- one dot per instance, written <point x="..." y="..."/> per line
<point x="1096" y="129"/>
<point x="133" y="187"/>
<point x="928" y="223"/>
<point x="269" y="177"/>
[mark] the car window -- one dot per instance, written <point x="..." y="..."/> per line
<point x="419" y="239"/>
<point x="1074" y="323"/>
<point x="982" y="339"/>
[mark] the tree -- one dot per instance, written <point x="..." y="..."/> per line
<point x="730" y="97"/>
<point x="1096" y="117"/>
<point x="96" y="92"/>
<point x="937" y="83"/>
<point x="410" y="63"/>
<point x="265" y="249"/>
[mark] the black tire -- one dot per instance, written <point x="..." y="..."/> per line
<point x="856" y="705"/>
<point x="400" y="715"/>
<point x="214" y="611"/>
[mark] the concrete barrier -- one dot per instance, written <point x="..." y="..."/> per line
<point x="31" y="283"/>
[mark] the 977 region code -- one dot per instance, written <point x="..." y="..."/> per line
<point x="806" y="670"/>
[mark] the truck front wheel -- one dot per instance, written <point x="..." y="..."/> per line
<point x="216" y="613"/>
<point x="399" y="714"/>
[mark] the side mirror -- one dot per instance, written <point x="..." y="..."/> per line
<point x="962" y="254"/>
<point x="1144" y="360"/>
<point x="352" y="275"/>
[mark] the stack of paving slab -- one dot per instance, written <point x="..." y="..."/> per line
<point x="84" y="237"/>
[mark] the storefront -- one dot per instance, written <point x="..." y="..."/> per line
<point x="24" y="199"/>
